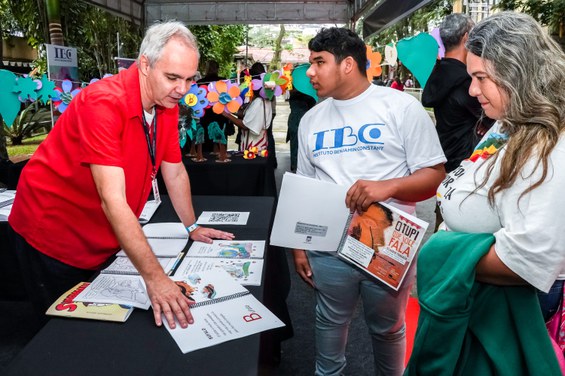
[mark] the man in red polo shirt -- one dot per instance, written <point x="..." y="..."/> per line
<point x="80" y="195"/>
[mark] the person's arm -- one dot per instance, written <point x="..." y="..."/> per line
<point x="166" y="298"/>
<point x="492" y="270"/>
<point x="234" y="119"/>
<point x="302" y="266"/>
<point x="178" y="187"/>
<point x="420" y="185"/>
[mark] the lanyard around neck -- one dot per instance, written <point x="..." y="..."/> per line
<point x="151" y="141"/>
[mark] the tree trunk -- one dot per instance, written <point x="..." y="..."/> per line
<point x="53" y="9"/>
<point x="275" y="63"/>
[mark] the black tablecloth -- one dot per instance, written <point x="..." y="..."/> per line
<point x="138" y="347"/>
<point x="240" y="177"/>
<point x="10" y="173"/>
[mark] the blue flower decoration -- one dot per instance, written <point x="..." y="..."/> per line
<point x="196" y="100"/>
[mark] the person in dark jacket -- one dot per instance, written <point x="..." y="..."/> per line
<point x="459" y="120"/>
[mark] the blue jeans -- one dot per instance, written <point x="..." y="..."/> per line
<point x="549" y="302"/>
<point x="338" y="288"/>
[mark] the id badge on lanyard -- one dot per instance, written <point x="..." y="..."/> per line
<point x="152" y="148"/>
<point x="155" y="186"/>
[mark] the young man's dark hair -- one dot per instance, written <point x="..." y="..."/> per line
<point x="341" y="43"/>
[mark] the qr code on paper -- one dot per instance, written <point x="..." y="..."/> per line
<point x="224" y="217"/>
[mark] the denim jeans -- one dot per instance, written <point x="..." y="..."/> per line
<point x="549" y="302"/>
<point x="338" y="288"/>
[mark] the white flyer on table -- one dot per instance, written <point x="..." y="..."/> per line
<point x="223" y="311"/>
<point x="311" y="214"/>
<point x="223" y="218"/>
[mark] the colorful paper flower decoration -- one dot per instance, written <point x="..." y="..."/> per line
<point x="245" y="87"/>
<point x="66" y="95"/>
<point x="287" y="71"/>
<point x="196" y="100"/>
<point x="271" y="84"/>
<point x="374" y="59"/>
<point x="224" y="97"/>
<point x="254" y="152"/>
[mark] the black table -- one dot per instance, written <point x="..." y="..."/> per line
<point x="10" y="173"/>
<point x="240" y="177"/>
<point x="137" y="347"/>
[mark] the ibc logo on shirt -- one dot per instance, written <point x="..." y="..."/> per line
<point x="367" y="134"/>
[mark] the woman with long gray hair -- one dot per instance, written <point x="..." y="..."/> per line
<point x="509" y="196"/>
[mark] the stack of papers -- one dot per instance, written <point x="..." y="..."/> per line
<point x="6" y="200"/>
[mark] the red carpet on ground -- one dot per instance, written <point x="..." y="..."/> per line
<point x="411" y="324"/>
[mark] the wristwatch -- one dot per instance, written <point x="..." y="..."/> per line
<point x="191" y="228"/>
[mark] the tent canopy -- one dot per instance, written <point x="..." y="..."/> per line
<point x="206" y="12"/>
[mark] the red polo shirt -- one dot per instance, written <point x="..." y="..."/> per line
<point x="57" y="208"/>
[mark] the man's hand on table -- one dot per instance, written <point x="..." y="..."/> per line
<point x="206" y="235"/>
<point x="167" y="299"/>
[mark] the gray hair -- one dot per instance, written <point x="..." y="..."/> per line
<point x="529" y="67"/>
<point x="157" y="36"/>
<point x="453" y="28"/>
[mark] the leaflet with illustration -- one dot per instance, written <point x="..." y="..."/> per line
<point x="383" y="242"/>
<point x="234" y="249"/>
<point x="311" y="214"/>
<point x="247" y="272"/>
<point x="118" y="289"/>
<point x="223" y="311"/>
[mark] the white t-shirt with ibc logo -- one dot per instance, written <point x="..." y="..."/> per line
<point x="529" y="229"/>
<point x="380" y="134"/>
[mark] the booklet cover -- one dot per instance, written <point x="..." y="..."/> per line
<point x="66" y="306"/>
<point x="311" y="214"/>
<point x="223" y="311"/>
<point x="383" y="241"/>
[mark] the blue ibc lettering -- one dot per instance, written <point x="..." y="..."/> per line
<point x="368" y="134"/>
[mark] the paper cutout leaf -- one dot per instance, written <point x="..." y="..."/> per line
<point x="26" y="87"/>
<point x="9" y="102"/>
<point x="418" y="54"/>
<point x="301" y="82"/>
<point x="47" y="90"/>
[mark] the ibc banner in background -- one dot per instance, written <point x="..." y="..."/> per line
<point x="62" y="64"/>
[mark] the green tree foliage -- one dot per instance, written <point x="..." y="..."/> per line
<point x="549" y="13"/>
<point x="91" y="30"/>
<point x="218" y="42"/>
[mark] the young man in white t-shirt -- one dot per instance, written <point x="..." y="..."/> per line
<point x="382" y="143"/>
